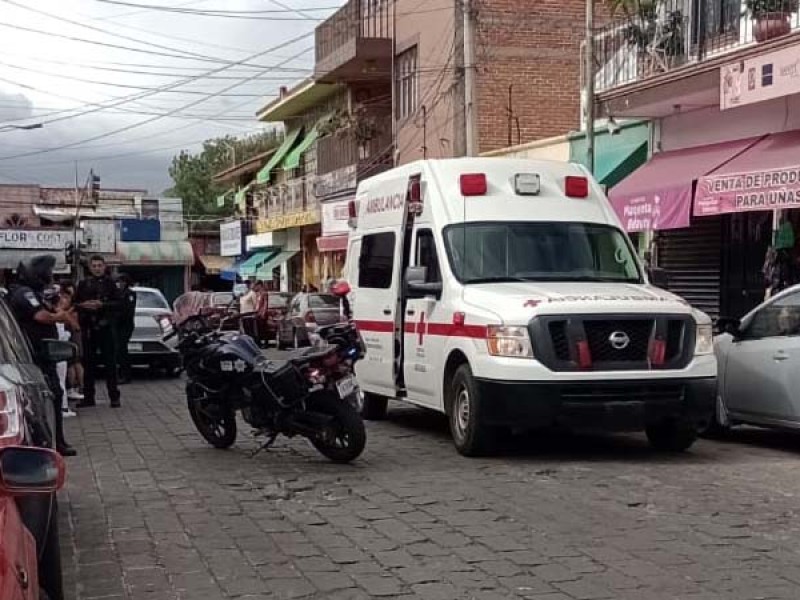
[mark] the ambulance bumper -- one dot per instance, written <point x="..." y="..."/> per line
<point x="624" y="405"/>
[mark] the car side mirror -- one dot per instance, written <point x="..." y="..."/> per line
<point x="416" y="287"/>
<point x="30" y="470"/>
<point x="56" y="351"/>
<point x="729" y="325"/>
<point x="658" y="277"/>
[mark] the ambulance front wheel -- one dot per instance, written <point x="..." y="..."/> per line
<point x="471" y="435"/>
<point x="375" y="407"/>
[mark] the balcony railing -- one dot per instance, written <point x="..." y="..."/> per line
<point x="669" y="34"/>
<point x="292" y="197"/>
<point x="367" y="146"/>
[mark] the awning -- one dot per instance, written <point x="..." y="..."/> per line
<point x="288" y="141"/>
<point x="214" y="265"/>
<point x="221" y="197"/>
<point x="240" y="198"/>
<point x="764" y="177"/>
<point x="231" y="273"/>
<point x="332" y="243"/>
<point x="615" y="164"/>
<point x="659" y="194"/>
<point x="10" y="258"/>
<point x="249" y="267"/>
<point x="265" y="270"/>
<point x="155" y="253"/>
<point x="292" y="160"/>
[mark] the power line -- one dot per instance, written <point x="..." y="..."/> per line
<point x="245" y="12"/>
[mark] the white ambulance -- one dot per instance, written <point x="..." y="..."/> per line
<point x="504" y="293"/>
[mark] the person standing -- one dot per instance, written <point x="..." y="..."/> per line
<point x="38" y="320"/>
<point x="125" y="326"/>
<point x="75" y="367"/>
<point x="98" y="305"/>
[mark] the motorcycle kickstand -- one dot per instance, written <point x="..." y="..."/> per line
<point x="265" y="446"/>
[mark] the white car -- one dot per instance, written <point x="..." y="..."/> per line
<point x="759" y="365"/>
<point x="147" y="346"/>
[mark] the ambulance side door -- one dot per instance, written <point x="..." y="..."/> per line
<point x="425" y="326"/>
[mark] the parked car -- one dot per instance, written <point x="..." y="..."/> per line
<point x="759" y="366"/>
<point x="29" y="544"/>
<point x="306" y="313"/>
<point x="148" y="346"/>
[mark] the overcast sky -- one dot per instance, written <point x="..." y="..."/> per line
<point x="125" y="112"/>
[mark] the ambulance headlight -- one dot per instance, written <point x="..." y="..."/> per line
<point x="704" y="340"/>
<point x="512" y="342"/>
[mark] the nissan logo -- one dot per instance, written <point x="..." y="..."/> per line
<point x="619" y="340"/>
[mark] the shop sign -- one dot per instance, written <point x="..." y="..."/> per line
<point x="271" y="239"/>
<point x="770" y="189"/>
<point x="335" y="217"/>
<point x="36" y="239"/>
<point x="336" y="182"/>
<point x="100" y="236"/>
<point x="666" y="209"/>
<point x="230" y="238"/>
<point x="765" y="77"/>
<point x="300" y="219"/>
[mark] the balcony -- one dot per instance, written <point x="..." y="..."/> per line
<point x="366" y="145"/>
<point x="290" y="204"/>
<point x="355" y="43"/>
<point x="668" y="38"/>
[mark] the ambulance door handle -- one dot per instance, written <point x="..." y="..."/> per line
<point x="410" y="312"/>
<point x="387" y="311"/>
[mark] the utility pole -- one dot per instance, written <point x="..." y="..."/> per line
<point x="471" y="136"/>
<point x="589" y="75"/>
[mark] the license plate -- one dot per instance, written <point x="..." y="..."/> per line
<point x="135" y="347"/>
<point x="346" y="386"/>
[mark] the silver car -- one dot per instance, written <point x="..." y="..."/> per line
<point x="147" y="346"/>
<point x="759" y="365"/>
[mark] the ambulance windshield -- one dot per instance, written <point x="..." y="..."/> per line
<point x="541" y="251"/>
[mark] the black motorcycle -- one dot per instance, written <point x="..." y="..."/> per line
<point x="228" y="372"/>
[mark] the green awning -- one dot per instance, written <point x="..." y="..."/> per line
<point x="265" y="270"/>
<point x="221" y="197"/>
<point x="293" y="158"/>
<point x="288" y="142"/>
<point x="249" y="267"/>
<point x="615" y="164"/>
<point x="616" y="155"/>
<point x="241" y="197"/>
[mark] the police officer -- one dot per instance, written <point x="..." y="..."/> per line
<point x="125" y="325"/>
<point x="38" y="321"/>
<point x="97" y="299"/>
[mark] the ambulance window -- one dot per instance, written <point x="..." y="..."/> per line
<point x="426" y="256"/>
<point x="376" y="262"/>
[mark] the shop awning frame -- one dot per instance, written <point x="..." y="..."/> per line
<point x="276" y="159"/>
<point x="333" y="243"/>
<point x="293" y="158"/>
<point x="214" y="265"/>
<point x="249" y="267"/>
<point x="11" y="257"/>
<point x="265" y="270"/>
<point x="615" y="164"/>
<point x="164" y="253"/>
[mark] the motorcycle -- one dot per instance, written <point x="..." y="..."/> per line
<point x="335" y="371"/>
<point x="228" y="373"/>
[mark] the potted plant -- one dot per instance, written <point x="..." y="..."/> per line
<point x="771" y="17"/>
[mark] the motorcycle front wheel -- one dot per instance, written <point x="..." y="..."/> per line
<point x="343" y="438"/>
<point x="216" y="424"/>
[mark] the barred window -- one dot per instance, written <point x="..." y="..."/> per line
<point x="407" y="85"/>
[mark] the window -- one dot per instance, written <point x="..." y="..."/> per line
<point x="407" y="85"/>
<point x="277" y="301"/>
<point x="14" y="347"/>
<point x="779" y="318"/>
<point x="323" y="301"/>
<point x="146" y="299"/>
<point x="543" y="251"/>
<point x="426" y="256"/>
<point x="150" y="209"/>
<point x="376" y="262"/>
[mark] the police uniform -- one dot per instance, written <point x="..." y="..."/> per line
<point x="125" y="329"/>
<point x="26" y="303"/>
<point x="99" y="335"/>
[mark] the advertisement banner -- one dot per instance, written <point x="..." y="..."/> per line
<point x="666" y="209"/>
<point x="768" y="189"/>
<point x="299" y="219"/>
<point x="230" y="238"/>
<point x="36" y="239"/>
<point x="760" y="78"/>
<point x="335" y="217"/>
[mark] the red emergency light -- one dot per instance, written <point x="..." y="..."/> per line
<point x="576" y="186"/>
<point x="473" y="184"/>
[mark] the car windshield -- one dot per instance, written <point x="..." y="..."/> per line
<point x="223" y="299"/>
<point x="148" y="299"/>
<point x="277" y="301"/>
<point x="323" y="301"/>
<point x="542" y="251"/>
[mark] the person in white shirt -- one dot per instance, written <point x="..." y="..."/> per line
<point x="249" y="301"/>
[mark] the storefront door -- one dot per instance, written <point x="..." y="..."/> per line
<point x="746" y="238"/>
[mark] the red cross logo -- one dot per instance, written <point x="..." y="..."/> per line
<point x="532" y="303"/>
<point x="421" y="327"/>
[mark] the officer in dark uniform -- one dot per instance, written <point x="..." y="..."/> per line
<point x="38" y="321"/>
<point x="98" y="302"/>
<point x="125" y="325"/>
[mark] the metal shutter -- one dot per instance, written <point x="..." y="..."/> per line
<point x="693" y="259"/>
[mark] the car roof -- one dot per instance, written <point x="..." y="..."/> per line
<point x="137" y="288"/>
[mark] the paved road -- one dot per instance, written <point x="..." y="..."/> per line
<point x="152" y="512"/>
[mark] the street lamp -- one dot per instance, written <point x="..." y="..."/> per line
<point x="21" y="127"/>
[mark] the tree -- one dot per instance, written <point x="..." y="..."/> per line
<point x="192" y="173"/>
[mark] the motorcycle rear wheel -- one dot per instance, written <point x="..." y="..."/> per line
<point x="218" y="430"/>
<point x="344" y="438"/>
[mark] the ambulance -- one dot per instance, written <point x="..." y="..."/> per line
<point x="505" y="294"/>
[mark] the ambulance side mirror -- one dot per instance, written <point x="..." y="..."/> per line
<point x="658" y="277"/>
<point x="417" y="287"/>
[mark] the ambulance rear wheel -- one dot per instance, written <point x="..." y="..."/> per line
<point x="375" y="407"/>
<point x="471" y="435"/>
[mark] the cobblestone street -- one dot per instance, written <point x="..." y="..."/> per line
<point x="151" y="511"/>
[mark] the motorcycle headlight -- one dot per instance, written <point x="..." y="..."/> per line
<point x="512" y="342"/>
<point x="704" y="340"/>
